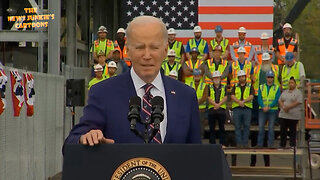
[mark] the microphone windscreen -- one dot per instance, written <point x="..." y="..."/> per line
<point x="135" y="101"/>
<point x="157" y="101"/>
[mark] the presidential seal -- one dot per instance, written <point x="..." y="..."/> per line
<point x="141" y="169"/>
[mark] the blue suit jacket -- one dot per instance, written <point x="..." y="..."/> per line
<point x="108" y="106"/>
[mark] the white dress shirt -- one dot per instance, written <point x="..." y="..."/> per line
<point x="157" y="90"/>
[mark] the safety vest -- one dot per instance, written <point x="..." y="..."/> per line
<point x="224" y="44"/>
<point x="95" y="81"/>
<point x="245" y="96"/>
<point x="103" y="46"/>
<point x="283" y="50"/>
<point x="247" y="47"/>
<point x="294" y="72"/>
<point x="188" y="79"/>
<point x="108" y="76"/>
<point x="213" y="96"/>
<point x="177" y="48"/>
<point x="257" y="70"/>
<point x="199" y="92"/>
<point x="201" y="46"/>
<point x="123" y="53"/>
<point x="259" y="52"/>
<point x="236" y="67"/>
<point x="212" y="68"/>
<point x="268" y="98"/>
<point x="166" y="69"/>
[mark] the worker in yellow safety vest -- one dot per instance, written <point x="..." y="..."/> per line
<point x="112" y="68"/>
<point x="175" y="45"/>
<point x="294" y="69"/>
<point x="202" y="94"/>
<point x="98" y="69"/>
<point x="242" y="42"/>
<point x="121" y="45"/>
<point x="102" y="44"/>
<point x="189" y="66"/>
<point x="286" y="44"/>
<point x="241" y="64"/>
<point x="216" y="64"/>
<point x="171" y="65"/>
<point x="219" y="40"/>
<point x="199" y="43"/>
<point x="264" y="48"/>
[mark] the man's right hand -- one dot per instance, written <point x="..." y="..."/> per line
<point x="94" y="137"/>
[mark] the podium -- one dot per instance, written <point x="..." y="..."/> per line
<point x="145" y="161"/>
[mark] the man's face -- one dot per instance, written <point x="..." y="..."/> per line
<point x="242" y="79"/>
<point x="242" y="36"/>
<point x="171" y="58"/>
<point x="101" y="59"/>
<point x="241" y="55"/>
<point x="197" y="78"/>
<point x="197" y="35"/>
<point x="171" y="37"/>
<point x="194" y="55"/>
<point x="102" y="35"/>
<point x="290" y="63"/>
<point x="292" y="84"/>
<point x="217" y="54"/>
<point x="264" y="41"/>
<point x="116" y="56"/>
<point x="218" y="34"/>
<point x="120" y="35"/>
<point x="216" y="80"/>
<point x="287" y="32"/>
<point x="98" y="74"/>
<point x="270" y="80"/>
<point x="147" y="50"/>
<point x="112" y="70"/>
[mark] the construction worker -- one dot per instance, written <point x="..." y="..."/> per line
<point x="202" y="94"/>
<point x="268" y="98"/>
<point x="294" y="69"/>
<point x="173" y="74"/>
<point x="242" y="95"/>
<point x="199" y="43"/>
<point x="98" y="69"/>
<point x="264" y="48"/>
<point x="121" y="65"/>
<point x="121" y="44"/>
<point x="102" y="61"/>
<point x="216" y="64"/>
<point x="286" y="44"/>
<point x="242" y="43"/>
<point x="240" y="64"/>
<point x="112" y="68"/>
<point x="102" y="44"/>
<point x="190" y="65"/>
<point x="217" y="108"/>
<point x="171" y="64"/>
<point x="219" y="40"/>
<point x="177" y="46"/>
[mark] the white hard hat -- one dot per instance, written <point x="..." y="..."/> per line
<point x="171" y="31"/>
<point x="173" y="73"/>
<point x="241" y="73"/>
<point x="264" y="36"/>
<point x="121" y="30"/>
<point x="266" y="56"/>
<point x="241" y="50"/>
<point x="287" y="25"/>
<point x="171" y="52"/>
<point x="242" y="30"/>
<point x="102" y="29"/>
<point x="98" y="68"/>
<point x="197" y="29"/>
<point x="216" y="74"/>
<point x="112" y="64"/>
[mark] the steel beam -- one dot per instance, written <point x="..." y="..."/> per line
<point x="16" y="36"/>
<point x="71" y="12"/>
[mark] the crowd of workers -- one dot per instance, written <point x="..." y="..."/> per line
<point x="260" y="84"/>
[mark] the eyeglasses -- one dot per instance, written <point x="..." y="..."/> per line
<point x="270" y="77"/>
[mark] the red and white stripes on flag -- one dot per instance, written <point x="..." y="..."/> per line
<point x="3" y="82"/>
<point x="16" y="91"/>
<point x="255" y="15"/>
<point x="29" y="93"/>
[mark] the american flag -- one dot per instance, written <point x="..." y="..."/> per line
<point x="255" y="15"/>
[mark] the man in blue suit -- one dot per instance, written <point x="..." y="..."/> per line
<point x="105" y="119"/>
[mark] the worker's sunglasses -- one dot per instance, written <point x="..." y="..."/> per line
<point x="270" y="77"/>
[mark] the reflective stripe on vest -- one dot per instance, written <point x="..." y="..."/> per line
<point x="189" y="63"/>
<point x="213" y="97"/>
<point x="257" y="70"/>
<point x="201" y="46"/>
<point x="247" y="47"/>
<point x="294" y="71"/>
<point x="212" y="68"/>
<point x="282" y="48"/>
<point x="177" y="48"/>
<point x="199" y="92"/>
<point x="123" y="54"/>
<point x="268" y="98"/>
<point x="245" y="96"/>
<point x="236" y="67"/>
<point x="259" y="52"/>
<point x="224" y="44"/>
<point x="103" y="46"/>
<point x="166" y="69"/>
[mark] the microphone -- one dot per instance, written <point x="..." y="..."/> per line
<point x="134" y="111"/>
<point x="156" y="113"/>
